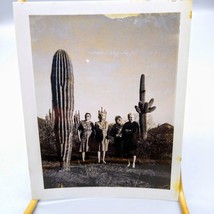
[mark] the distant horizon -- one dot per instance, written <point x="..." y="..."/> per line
<point x="124" y="120"/>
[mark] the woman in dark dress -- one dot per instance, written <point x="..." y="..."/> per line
<point x="130" y="134"/>
<point x="116" y="133"/>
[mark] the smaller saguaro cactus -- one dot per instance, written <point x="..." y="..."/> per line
<point x="143" y="107"/>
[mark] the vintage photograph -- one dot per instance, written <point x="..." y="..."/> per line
<point x="105" y="90"/>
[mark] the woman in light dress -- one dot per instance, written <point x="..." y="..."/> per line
<point x="101" y="135"/>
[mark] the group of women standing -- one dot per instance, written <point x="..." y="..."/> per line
<point x="125" y="136"/>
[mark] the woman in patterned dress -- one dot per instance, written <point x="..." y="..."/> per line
<point x="85" y="131"/>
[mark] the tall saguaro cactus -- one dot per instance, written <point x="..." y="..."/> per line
<point x="143" y="107"/>
<point x="62" y="85"/>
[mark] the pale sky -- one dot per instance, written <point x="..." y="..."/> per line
<point x="108" y="58"/>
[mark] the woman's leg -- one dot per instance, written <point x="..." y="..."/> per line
<point x="128" y="163"/>
<point x="104" y="156"/>
<point x="83" y="156"/>
<point x="134" y="160"/>
<point x="98" y="156"/>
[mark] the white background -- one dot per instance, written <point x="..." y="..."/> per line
<point x="198" y="144"/>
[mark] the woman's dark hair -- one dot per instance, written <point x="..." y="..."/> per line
<point x="117" y="117"/>
<point x="87" y="114"/>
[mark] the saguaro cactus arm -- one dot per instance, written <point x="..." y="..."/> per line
<point x="150" y="108"/>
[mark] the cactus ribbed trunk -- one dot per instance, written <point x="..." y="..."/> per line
<point x="142" y="116"/>
<point x="62" y="85"/>
<point x="143" y="107"/>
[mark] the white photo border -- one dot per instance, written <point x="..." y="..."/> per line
<point x="22" y="11"/>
